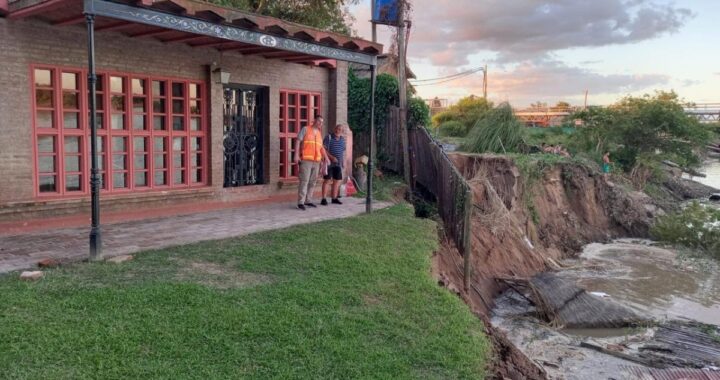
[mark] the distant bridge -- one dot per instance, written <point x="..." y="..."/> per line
<point x="555" y="116"/>
<point x="705" y="112"/>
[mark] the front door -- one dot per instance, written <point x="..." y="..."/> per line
<point x="243" y="135"/>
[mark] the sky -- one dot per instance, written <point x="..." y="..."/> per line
<point x="552" y="51"/>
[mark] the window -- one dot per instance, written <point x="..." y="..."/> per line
<point x="297" y="109"/>
<point x="145" y="125"/>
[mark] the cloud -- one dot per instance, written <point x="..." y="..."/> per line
<point x="550" y="81"/>
<point x="448" y="31"/>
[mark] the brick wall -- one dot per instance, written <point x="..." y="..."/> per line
<point x="27" y="42"/>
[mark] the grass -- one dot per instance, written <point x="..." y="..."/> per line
<point x="341" y="299"/>
<point x="384" y="188"/>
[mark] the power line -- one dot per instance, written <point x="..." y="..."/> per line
<point x="446" y="80"/>
<point x="468" y="72"/>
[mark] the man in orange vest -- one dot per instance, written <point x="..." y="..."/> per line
<point x="309" y="152"/>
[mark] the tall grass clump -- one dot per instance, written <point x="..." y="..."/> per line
<point x="499" y="131"/>
<point x="696" y="227"/>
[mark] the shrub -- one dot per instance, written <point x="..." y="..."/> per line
<point x="696" y="227"/>
<point x="498" y="132"/>
<point x="418" y="113"/>
<point x="453" y="128"/>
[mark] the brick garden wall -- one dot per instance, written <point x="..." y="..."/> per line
<point x="27" y="42"/>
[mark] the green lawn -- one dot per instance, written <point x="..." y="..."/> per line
<point x="295" y="303"/>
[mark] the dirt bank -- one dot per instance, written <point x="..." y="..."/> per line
<point x="528" y="217"/>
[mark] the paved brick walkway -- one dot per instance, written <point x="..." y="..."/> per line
<point x="23" y="251"/>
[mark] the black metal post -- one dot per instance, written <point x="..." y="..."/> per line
<point x="95" y="233"/>
<point x="368" y="200"/>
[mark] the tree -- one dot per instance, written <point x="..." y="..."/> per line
<point x="645" y="129"/>
<point x="562" y="104"/>
<point x="467" y="111"/>
<point x="330" y="15"/>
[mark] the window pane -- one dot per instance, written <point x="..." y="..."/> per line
<point x="303" y="100"/>
<point x="72" y="163"/>
<point x="101" y="162"/>
<point x="195" y="124"/>
<point x="195" y="143"/>
<point x="159" y="145"/>
<point x="159" y="123"/>
<point x="99" y="146"/>
<point x="158" y="88"/>
<point x="178" y="106"/>
<point x="197" y="160"/>
<point x="72" y="183"/>
<point x="159" y="106"/>
<point x="139" y="144"/>
<point x="44" y="119"/>
<point x="178" y="123"/>
<point x="44" y="98"/>
<point x="179" y="176"/>
<point x="291" y="99"/>
<point x="98" y="102"/>
<point x="72" y="144"/>
<point x="118" y="144"/>
<point x="178" y="144"/>
<point x="46" y="164"/>
<point x="178" y="160"/>
<point x="291" y="112"/>
<point x="138" y="104"/>
<point x="70" y="100"/>
<point x="178" y="90"/>
<point x="117" y="84"/>
<point x="117" y="121"/>
<point x="71" y="120"/>
<point x="119" y="162"/>
<point x="46" y="144"/>
<point x="69" y="81"/>
<point x="292" y="127"/>
<point x="303" y="113"/>
<point x="194" y="90"/>
<point x="119" y="180"/>
<point x="100" y="83"/>
<point x="117" y="102"/>
<point x="140" y="161"/>
<point x="99" y="120"/>
<point x="140" y="179"/>
<point x="47" y="184"/>
<point x="139" y="122"/>
<point x="159" y="161"/>
<point x="195" y="107"/>
<point x="196" y="176"/>
<point x="138" y="86"/>
<point x="160" y="178"/>
<point x="43" y="77"/>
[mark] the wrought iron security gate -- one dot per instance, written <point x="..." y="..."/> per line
<point x="243" y="135"/>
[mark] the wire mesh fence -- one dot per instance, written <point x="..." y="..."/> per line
<point x="434" y="170"/>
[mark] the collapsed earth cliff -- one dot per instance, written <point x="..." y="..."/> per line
<point x="530" y="214"/>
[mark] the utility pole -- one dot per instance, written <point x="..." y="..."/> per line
<point x="402" y="82"/>
<point x="485" y="76"/>
<point x="374" y="25"/>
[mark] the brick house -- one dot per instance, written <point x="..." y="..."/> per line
<point x="194" y="102"/>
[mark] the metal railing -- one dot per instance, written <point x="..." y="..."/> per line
<point x="433" y="169"/>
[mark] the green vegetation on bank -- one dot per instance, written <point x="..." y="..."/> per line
<point x="295" y="303"/>
<point x="696" y="227"/>
<point x="498" y="131"/>
<point x="460" y="118"/>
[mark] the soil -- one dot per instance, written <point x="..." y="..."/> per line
<point x="524" y="226"/>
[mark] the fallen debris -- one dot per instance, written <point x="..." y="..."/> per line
<point x="565" y="304"/>
<point x="48" y="263"/>
<point x="31" y="275"/>
<point x="119" y="259"/>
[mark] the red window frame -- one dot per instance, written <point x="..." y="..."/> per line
<point x="294" y="114"/>
<point x="129" y="157"/>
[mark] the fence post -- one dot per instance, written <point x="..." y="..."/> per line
<point x="467" y="238"/>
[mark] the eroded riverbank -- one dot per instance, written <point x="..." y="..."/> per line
<point x="655" y="282"/>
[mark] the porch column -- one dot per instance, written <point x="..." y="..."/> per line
<point x="337" y="95"/>
<point x="95" y="232"/>
<point x="216" y="98"/>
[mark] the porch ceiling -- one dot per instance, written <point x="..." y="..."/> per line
<point x="200" y="24"/>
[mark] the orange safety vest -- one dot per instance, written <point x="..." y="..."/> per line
<point x="311" y="146"/>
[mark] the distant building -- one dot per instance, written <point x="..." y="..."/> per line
<point x="437" y="105"/>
